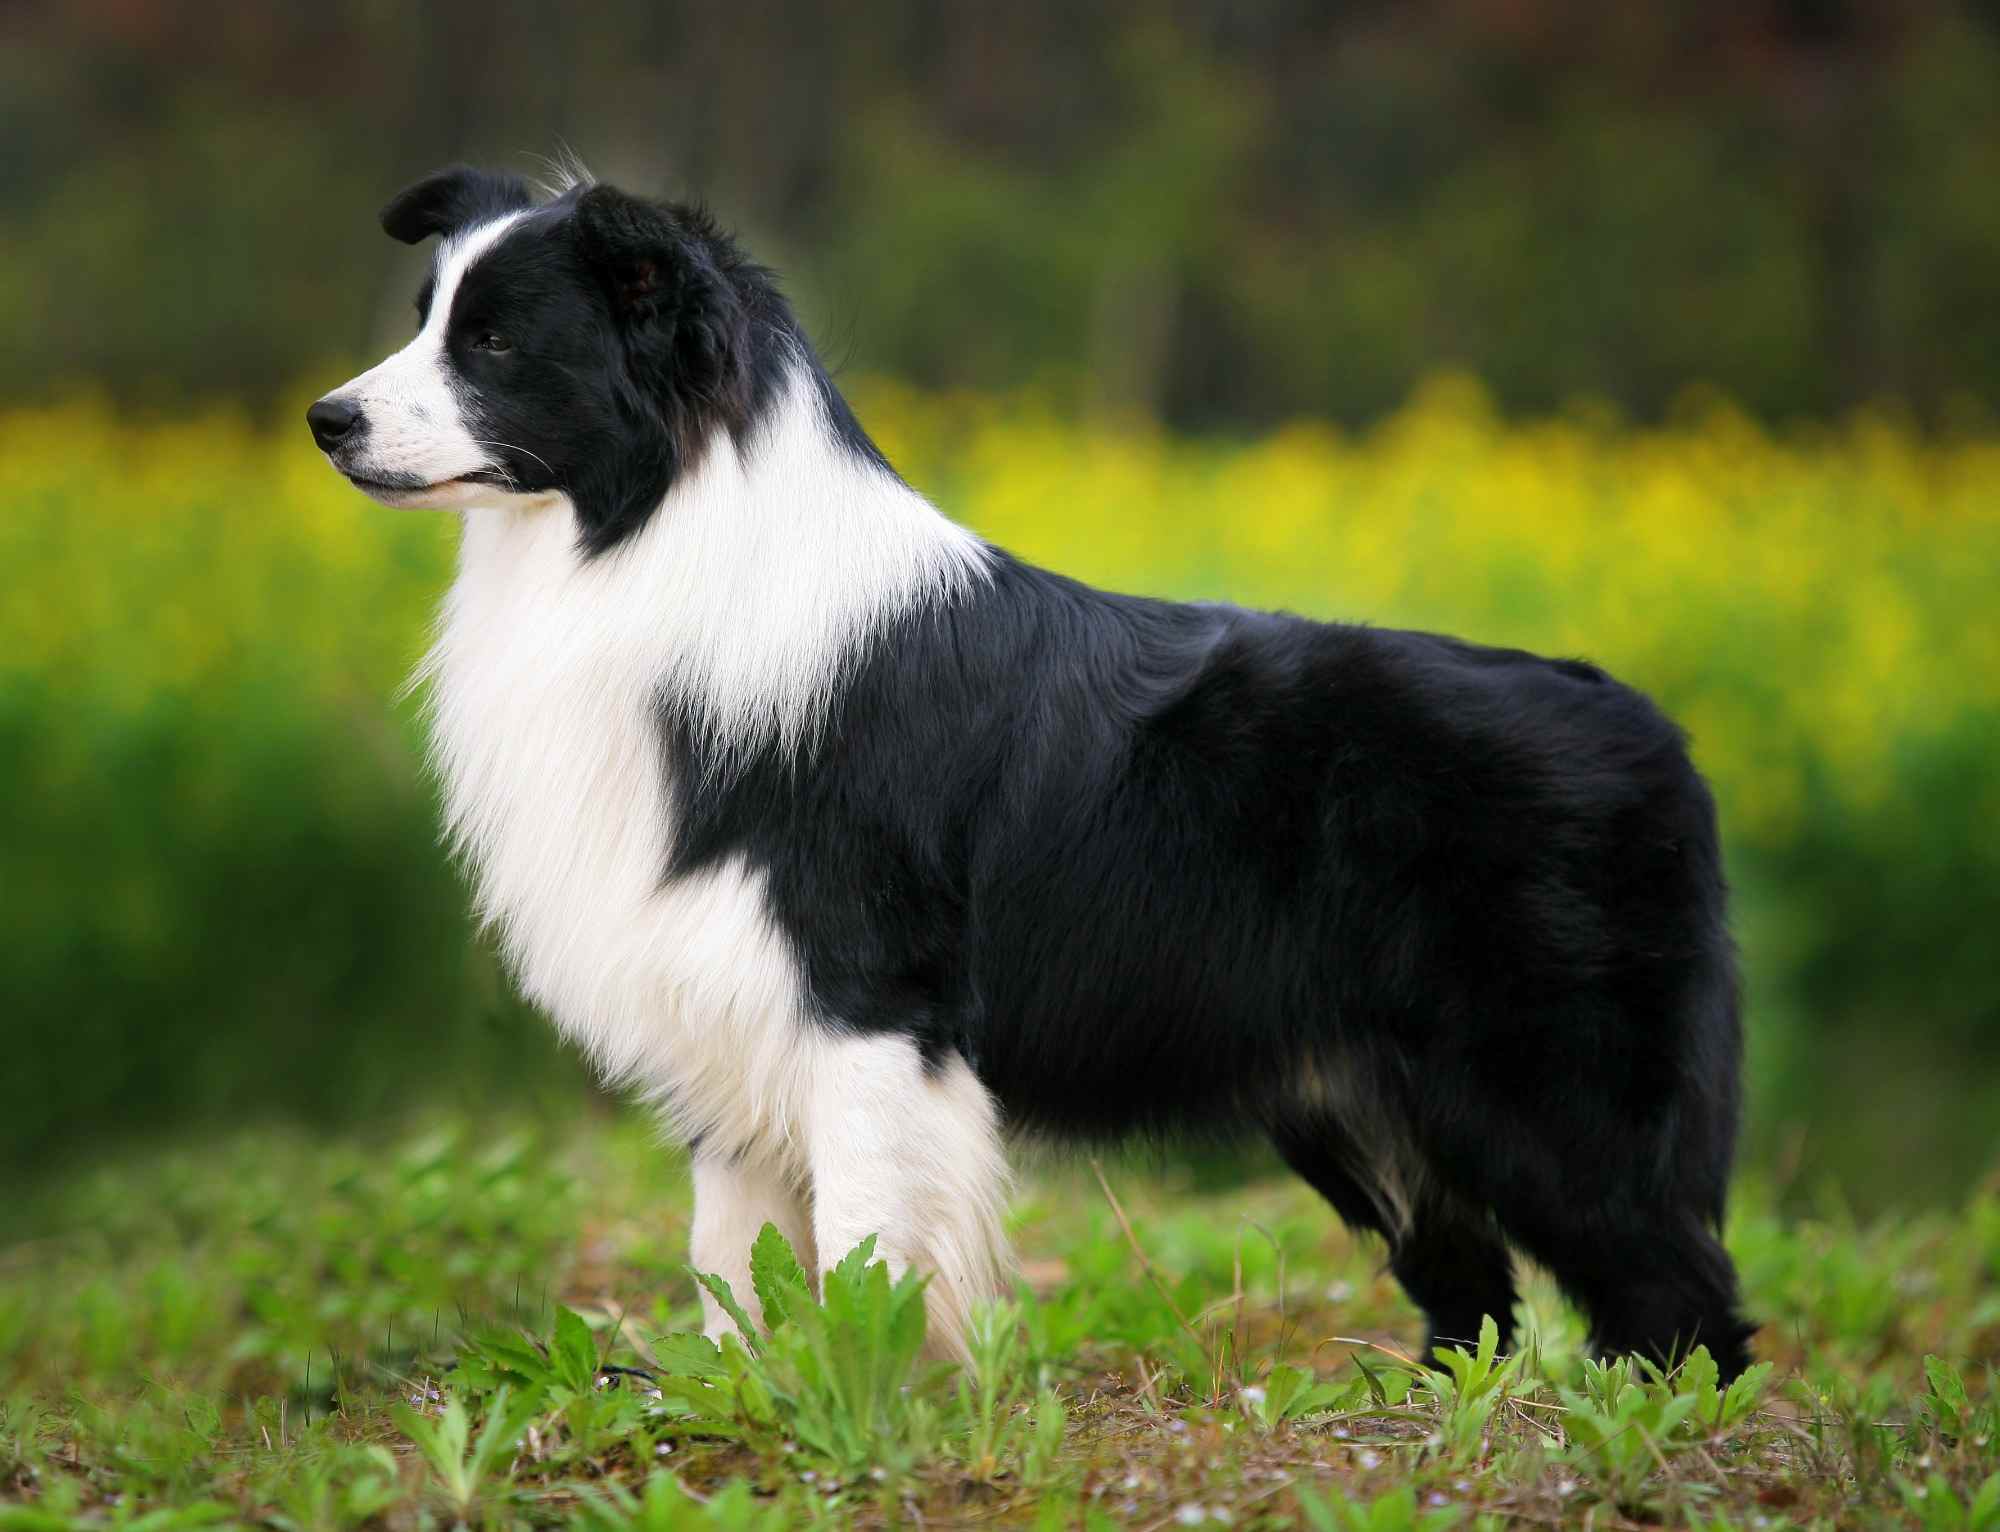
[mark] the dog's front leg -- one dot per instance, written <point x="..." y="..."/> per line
<point x="733" y="1199"/>
<point x="909" y="1153"/>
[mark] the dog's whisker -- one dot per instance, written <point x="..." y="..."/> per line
<point x="512" y="448"/>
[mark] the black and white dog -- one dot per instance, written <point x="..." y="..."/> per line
<point x="854" y="843"/>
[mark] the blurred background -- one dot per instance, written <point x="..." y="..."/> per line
<point x="1666" y="334"/>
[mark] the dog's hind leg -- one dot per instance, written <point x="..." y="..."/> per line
<point x="909" y="1152"/>
<point x="1615" y="1180"/>
<point x="1456" y="1267"/>
<point x="1654" y="1282"/>
<point x="1452" y="1264"/>
<point x="1626" y="1224"/>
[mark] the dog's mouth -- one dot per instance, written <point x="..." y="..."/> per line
<point x="407" y="490"/>
<point x="401" y="490"/>
<point x="399" y="484"/>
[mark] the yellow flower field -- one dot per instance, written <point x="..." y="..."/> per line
<point x="1803" y="606"/>
<point x="1818" y="609"/>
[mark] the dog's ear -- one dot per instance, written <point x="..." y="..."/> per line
<point x="665" y="271"/>
<point x="449" y="200"/>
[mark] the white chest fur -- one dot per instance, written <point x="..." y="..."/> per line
<point x="740" y="602"/>
<point x="544" y="684"/>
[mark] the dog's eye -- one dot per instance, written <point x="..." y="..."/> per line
<point x="489" y="340"/>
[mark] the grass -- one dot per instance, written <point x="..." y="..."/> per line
<point x="489" y="1328"/>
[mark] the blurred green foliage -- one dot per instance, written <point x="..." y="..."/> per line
<point x="1216" y="213"/>
<point x="222" y="888"/>
<point x="218" y="881"/>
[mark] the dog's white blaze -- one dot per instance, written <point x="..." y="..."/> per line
<point x="415" y="426"/>
<point x="760" y="578"/>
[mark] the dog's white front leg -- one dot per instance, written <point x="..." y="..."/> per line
<point x="733" y="1200"/>
<point x="913" y="1156"/>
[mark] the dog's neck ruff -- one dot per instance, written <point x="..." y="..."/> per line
<point x="740" y="605"/>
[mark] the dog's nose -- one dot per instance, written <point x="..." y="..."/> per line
<point x="332" y="422"/>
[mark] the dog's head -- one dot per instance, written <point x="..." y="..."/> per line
<point x="586" y="349"/>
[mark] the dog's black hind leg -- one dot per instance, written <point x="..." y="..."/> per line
<point x="1321" y="1152"/>
<point x="1454" y="1266"/>
<point x="1627" y="1231"/>
<point x="1457" y="1268"/>
<point x="1655" y="1288"/>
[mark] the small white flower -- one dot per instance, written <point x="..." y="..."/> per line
<point x="1437" y="1498"/>
<point x="663" y="1449"/>
<point x="1369" y="1459"/>
<point x="1565" y="1488"/>
<point x="1253" y="1395"/>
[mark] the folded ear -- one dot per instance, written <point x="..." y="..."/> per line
<point x="450" y="200"/>
<point x="665" y="270"/>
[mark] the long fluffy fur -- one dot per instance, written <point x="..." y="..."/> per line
<point x="851" y="841"/>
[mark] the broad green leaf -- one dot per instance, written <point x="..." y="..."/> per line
<point x="1745" y="1394"/>
<point x="719" y="1290"/>
<point x="573" y="1352"/>
<point x="776" y="1276"/>
<point x="686" y="1354"/>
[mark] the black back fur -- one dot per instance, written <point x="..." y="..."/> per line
<point x="1446" y="922"/>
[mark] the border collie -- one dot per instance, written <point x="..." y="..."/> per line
<point x="854" y="843"/>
